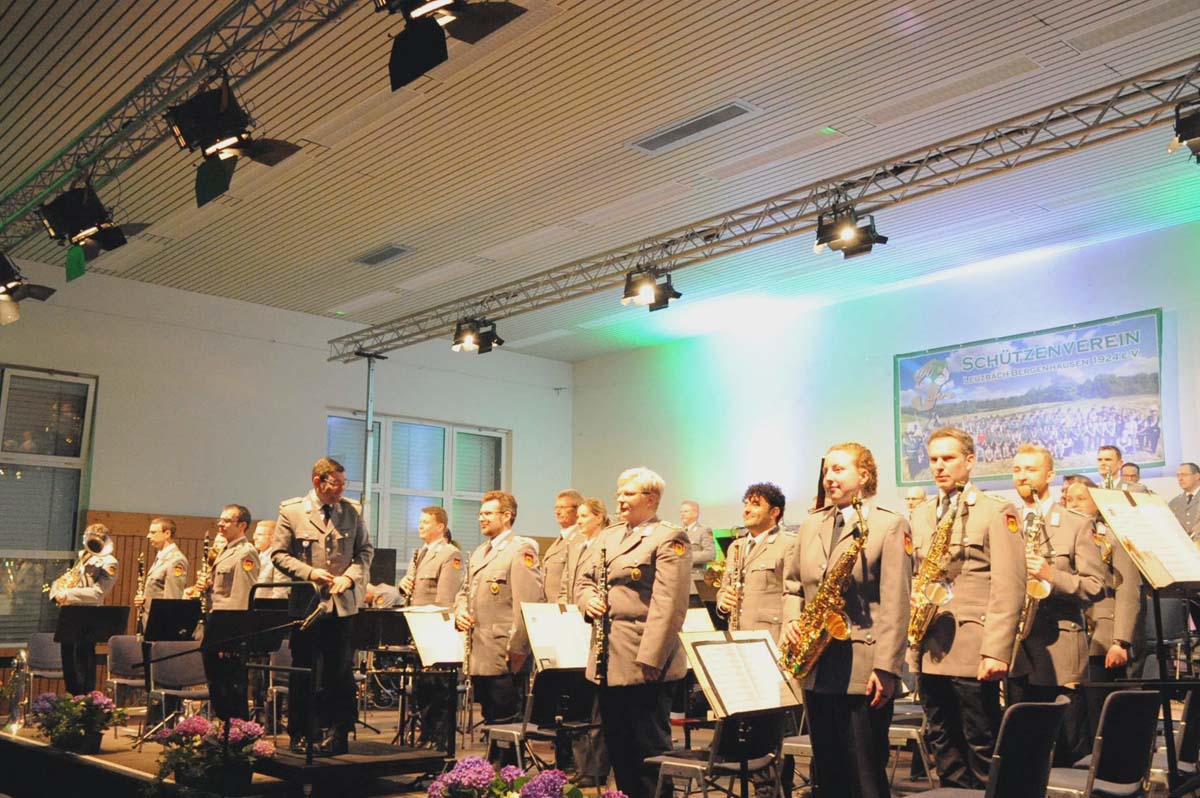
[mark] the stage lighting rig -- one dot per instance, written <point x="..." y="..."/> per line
<point x="1187" y="128"/>
<point x="841" y="230"/>
<point x="475" y="335"/>
<point x="649" y="289"/>
<point x="14" y="288"/>
<point x="77" y="217"/>
<point x="421" y="46"/>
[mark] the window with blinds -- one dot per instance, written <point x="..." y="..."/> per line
<point x="420" y="464"/>
<point x="45" y="428"/>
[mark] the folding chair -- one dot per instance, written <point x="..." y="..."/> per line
<point x="124" y="666"/>
<point x="43" y="660"/>
<point x="557" y="709"/>
<point x="742" y="746"/>
<point x="1119" y="766"/>
<point x="277" y="685"/>
<point x="1020" y="764"/>
<point x="180" y="677"/>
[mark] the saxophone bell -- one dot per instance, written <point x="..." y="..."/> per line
<point x="938" y="592"/>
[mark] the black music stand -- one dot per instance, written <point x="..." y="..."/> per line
<point x="85" y="625"/>
<point x="268" y="603"/>
<point x="172" y="619"/>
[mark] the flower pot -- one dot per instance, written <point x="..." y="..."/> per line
<point x="231" y="780"/>
<point x="87" y="743"/>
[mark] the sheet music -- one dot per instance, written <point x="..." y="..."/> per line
<point x="1151" y="534"/>
<point x="697" y="620"/>
<point x="739" y="671"/>
<point x="558" y="635"/>
<point x="433" y="633"/>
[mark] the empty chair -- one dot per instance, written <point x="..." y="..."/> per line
<point x="277" y="685"/>
<point x="1020" y="765"/>
<point x="1119" y="766"/>
<point x="743" y="746"/>
<point x="180" y="677"/>
<point x="124" y="666"/>
<point x="43" y="660"/>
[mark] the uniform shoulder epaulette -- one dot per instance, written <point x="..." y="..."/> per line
<point x="522" y="540"/>
<point x="887" y="510"/>
<point x="290" y="502"/>
<point x="671" y="526"/>
<point x="996" y="497"/>
<point x="787" y="533"/>
<point x="820" y="509"/>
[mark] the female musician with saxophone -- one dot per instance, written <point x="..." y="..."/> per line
<point x="1065" y="575"/>
<point x="87" y="582"/>
<point x="847" y="644"/>
<point x="751" y="591"/>
<point x="969" y="588"/>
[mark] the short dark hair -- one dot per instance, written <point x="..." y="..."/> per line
<point x="326" y="466"/>
<point x="1195" y="469"/>
<point x="166" y="525"/>
<point x="507" y="502"/>
<point x="243" y="515"/>
<point x="1071" y="479"/>
<point x="965" y="442"/>
<point x="768" y="492"/>
<point x="1137" y="469"/>
<point x="437" y="514"/>
<point x="1114" y="449"/>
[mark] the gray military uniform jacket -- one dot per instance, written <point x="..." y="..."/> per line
<point x="1055" y="652"/>
<point x="234" y="573"/>
<point x="876" y="596"/>
<point x="987" y="574"/>
<point x="267" y="574"/>
<point x="501" y="576"/>
<point x="438" y="575"/>
<point x="1188" y="512"/>
<point x="99" y="577"/>
<point x="762" y="573"/>
<point x="555" y="562"/>
<point x="1119" y="614"/>
<point x="579" y="554"/>
<point x="704" y="551"/>
<point x="167" y="576"/>
<point x="648" y="575"/>
<point x="304" y="540"/>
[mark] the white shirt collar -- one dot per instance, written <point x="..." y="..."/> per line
<point x="499" y="539"/>
<point x="850" y="517"/>
<point x="165" y="550"/>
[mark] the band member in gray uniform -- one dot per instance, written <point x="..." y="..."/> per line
<point x="233" y="574"/>
<point x="648" y="564"/>
<point x="964" y="654"/>
<point x="97" y="574"/>
<point x="435" y="578"/>
<point x="752" y="586"/>
<point x="849" y="692"/>
<point x="1063" y="565"/>
<point x="566" y="507"/>
<point x="321" y="538"/>
<point x="167" y="575"/>
<point x="502" y="574"/>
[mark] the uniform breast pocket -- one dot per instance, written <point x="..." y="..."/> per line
<point x="763" y="577"/>
<point x="223" y="581"/>
<point x="641" y="573"/>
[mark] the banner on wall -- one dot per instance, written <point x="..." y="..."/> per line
<point x="1071" y="389"/>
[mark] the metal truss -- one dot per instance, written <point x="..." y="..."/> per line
<point x="244" y="38"/>
<point x="1089" y="120"/>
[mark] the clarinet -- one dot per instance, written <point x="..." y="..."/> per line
<point x="601" y="624"/>
<point x="412" y="570"/>
<point x="141" y="591"/>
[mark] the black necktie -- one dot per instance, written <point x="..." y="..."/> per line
<point x="945" y="508"/>
<point x="839" y="521"/>
<point x="1189" y="501"/>
<point x="327" y="511"/>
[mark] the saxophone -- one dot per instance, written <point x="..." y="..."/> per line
<point x="824" y="618"/>
<point x="930" y="590"/>
<point x="600" y="625"/>
<point x="1102" y="540"/>
<point x="1035" y="589"/>
<point x="141" y="590"/>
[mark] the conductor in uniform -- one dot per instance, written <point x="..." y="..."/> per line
<point x="321" y="538"/>
<point x="1060" y="557"/>
<point x="758" y="561"/>
<point x="98" y="574"/>
<point x="502" y="574"/>
<point x="965" y="653"/>
<point x="648" y="564"/>
<point x="233" y="574"/>
<point x="849" y="693"/>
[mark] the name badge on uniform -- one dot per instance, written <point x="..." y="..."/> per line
<point x="1055" y="520"/>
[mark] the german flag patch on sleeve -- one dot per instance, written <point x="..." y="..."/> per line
<point x="177" y="570"/>
<point x="1011" y="520"/>
<point x="678" y="548"/>
<point x="458" y="563"/>
<point x="249" y="563"/>
<point x="908" y="544"/>
<point x="529" y="559"/>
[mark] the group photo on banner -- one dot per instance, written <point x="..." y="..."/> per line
<point x="1070" y="388"/>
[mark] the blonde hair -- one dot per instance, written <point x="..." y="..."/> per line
<point x="597" y="508"/>
<point x="1033" y="448"/>
<point x="644" y="480"/>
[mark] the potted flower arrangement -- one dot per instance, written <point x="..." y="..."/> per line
<point x="474" y="777"/>
<point x="201" y="759"/>
<point x="75" y="723"/>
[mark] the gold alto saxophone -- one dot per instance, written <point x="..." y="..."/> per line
<point x="736" y="570"/>
<point x="1036" y="589"/>
<point x="141" y="591"/>
<point x="600" y="625"/>
<point x="1102" y="540"/>
<point x="930" y="590"/>
<point x="824" y="618"/>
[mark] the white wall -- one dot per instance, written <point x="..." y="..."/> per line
<point x="205" y="401"/>
<point x="714" y="414"/>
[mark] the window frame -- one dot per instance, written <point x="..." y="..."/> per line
<point x="53" y="461"/>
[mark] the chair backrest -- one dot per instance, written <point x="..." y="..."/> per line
<point x="124" y="653"/>
<point x="1021" y="763"/>
<point x="281" y="657"/>
<point x="1189" y="737"/>
<point x="1128" y="723"/>
<point x="745" y="737"/>
<point x="45" y="656"/>
<point x="178" y="672"/>
<point x="558" y="696"/>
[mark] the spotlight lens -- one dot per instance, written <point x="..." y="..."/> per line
<point x="849" y="232"/>
<point x="818" y="247"/>
<point x="645" y="295"/>
<point x="467" y="344"/>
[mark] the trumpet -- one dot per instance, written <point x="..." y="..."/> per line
<point x="95" y="544"/>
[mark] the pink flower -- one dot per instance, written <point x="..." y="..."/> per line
<point x="263" y="748"/>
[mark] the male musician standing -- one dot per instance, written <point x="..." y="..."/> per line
<point x="965" y="652"/>
<point x="849" y="694"/>
<point x="435" y="578"/>
<point x="648" y="563"/>
<point x="167" y="575"/>
<point x="233" y="574"/>
<point x="1108" y="463"/>
<point x="321" y="538"/>
<point x="98" y="574"/>
<point x="502" y="574"/>
<point x="1063" y="563"/>
<point x="757" y="561"/>
<point x="566" y="509"/>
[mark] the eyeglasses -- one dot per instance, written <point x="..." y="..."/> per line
<point x="332" y="484"/>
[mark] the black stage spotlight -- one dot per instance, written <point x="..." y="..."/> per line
<point x="475" y="335"/>
<point x="648" y="289"/>
<point x="839" y="229"/>
<point x="471" y="22"/>
<point x="14" y="288"/>
<point x="1187" y="128"/>
<point x="79" y="218"/>
<point x="415" y="50"/>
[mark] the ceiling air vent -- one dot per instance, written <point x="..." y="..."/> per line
<point x="680" y="133"/>
<point x="382" y="255"/>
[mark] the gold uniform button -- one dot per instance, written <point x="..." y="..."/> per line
<point x="635" y="574"/>
<point x="495" y="589"/>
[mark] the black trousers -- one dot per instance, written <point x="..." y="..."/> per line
<point x="637" y="724"/>
<point x="435" y="694"/>
<point x="324" y="647"/>
<point x="1094" y="696"/>
<point x="1071" y="745"/>
<point x="79" y="667"/>
<point x="962" y="721"/>
<point x="850" y="745"/>
<point x="227" y="685"/>
<point x="497" y="697"/>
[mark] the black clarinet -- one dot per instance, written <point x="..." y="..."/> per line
<point x="601" y="624"/>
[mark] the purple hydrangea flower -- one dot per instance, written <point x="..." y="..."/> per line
<point x="193" y="724"/>
<point x="511" y="773"/>
<point x="43" y="703"/>
<point x="547" y="784"/>
<point x="473" y="772"/>
<point x="614" y="794"/>
<point x="438" y="788"/>
<point x="263" y="748"/>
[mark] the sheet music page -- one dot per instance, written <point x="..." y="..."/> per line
<point x="697" y="620"/>
<point x="558" y="635"/>
<point x="436" y="639"/>
<point x="1151" y="534"/>
<point x="745" y="675"/>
